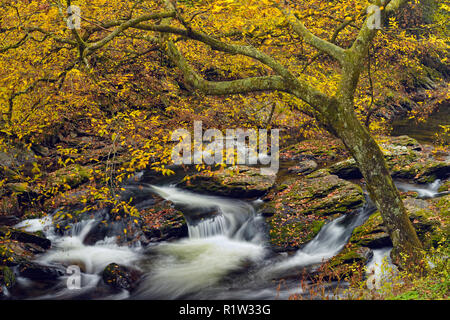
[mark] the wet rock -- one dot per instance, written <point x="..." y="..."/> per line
<point x="163" y="222"/>
<point x="350" y="255"/>
<point x="9" y="220"/>
<point x="237" y="182"/>
<point x="349" y="261"/>
<point x="120" y="277"/>
<point x="304" y="205"/>
<point x="35" y="271"/>
<point x="25" y="237"/>
<point x="304" y="167"/>
<point x="372" y="233"/>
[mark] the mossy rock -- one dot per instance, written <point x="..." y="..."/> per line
<point x="120" y="277"/>
<point x="422" y="171"/>
<point x="19" y="187"/>
<point x="445" y="187"/>
<point x="298" y="212"/>
<point x="320" y="150"/>
<point x="430" y="218"/>
<point x="70" y="177"/>
<point x="371" y="234"/>
<point x="163" y="222"/>
<point x="441" y="213"/>
<point x="237" y="182"/>
<point x="347" y="169"/>
<point x="304" y="167"/>
<point x="350" y="260"/>
<point x="400" y="141"/>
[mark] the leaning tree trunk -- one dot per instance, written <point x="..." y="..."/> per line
<point x="380" y="185"/>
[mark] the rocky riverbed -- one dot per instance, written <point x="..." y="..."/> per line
<point x="320" y="185"/>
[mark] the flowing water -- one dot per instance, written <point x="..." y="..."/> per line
<point x="225" y="256"/>
<point x="424" y="191"/>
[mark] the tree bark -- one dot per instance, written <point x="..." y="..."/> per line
<point x="380" y="185"/>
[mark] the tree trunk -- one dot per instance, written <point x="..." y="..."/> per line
<point x="380" y="185"/>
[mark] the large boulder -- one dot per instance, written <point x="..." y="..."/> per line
<point x="70" y="177"/>
<point x="297" y="209"/>
<point x="237" y="182"/>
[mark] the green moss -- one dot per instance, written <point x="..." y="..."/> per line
<point x="18" y="187"/>
<point x="410" y="295"/>
<point x="445" y="186"/>
<point x="7" y="277"/>
<point x="72" y="176"/>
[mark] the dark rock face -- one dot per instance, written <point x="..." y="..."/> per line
<point x="9" y="220"/>
<point x="18" y="250"/>
<point x="236" y="182"/>
<point x="15" y="158"/>
<point x="25" y="237"/>
<point x="120" y="277"/>
<point x="36" y="271"/>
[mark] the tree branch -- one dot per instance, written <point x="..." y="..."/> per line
<point x="320" y="44"/>
<point x="253" y="84"/>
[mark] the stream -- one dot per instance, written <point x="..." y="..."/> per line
<point x="225" y="256"/>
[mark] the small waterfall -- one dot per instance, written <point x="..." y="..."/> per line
<point x="208" y="227"/>
<point x="424" y="191"/>
<point x="233" y="218"/>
